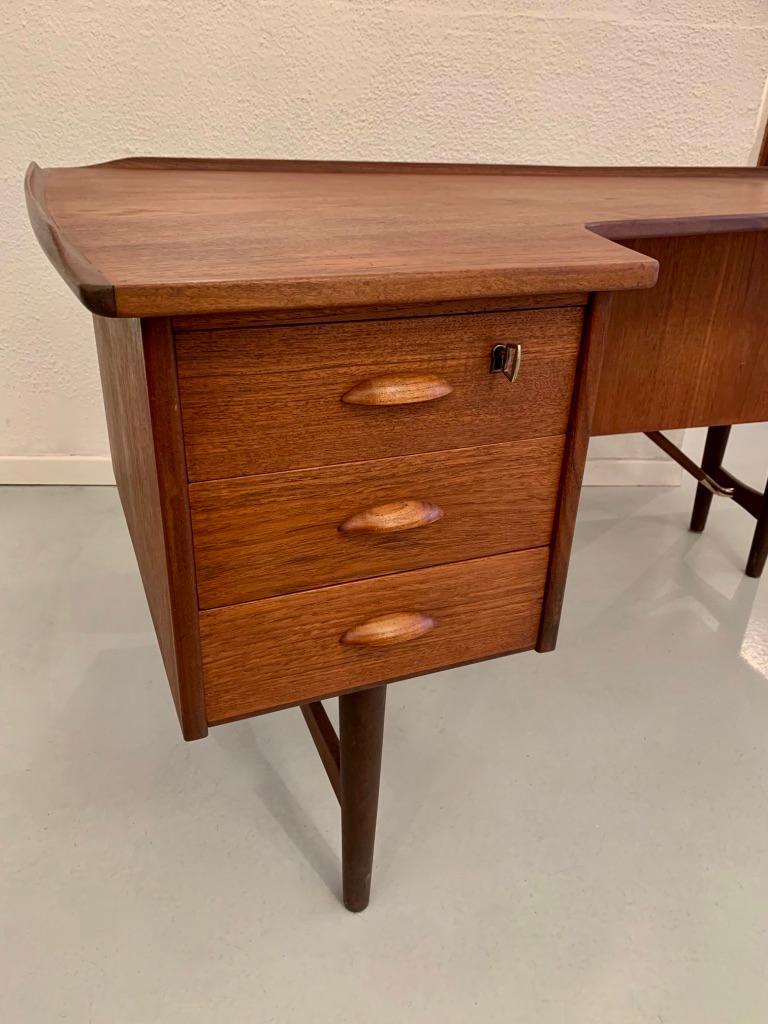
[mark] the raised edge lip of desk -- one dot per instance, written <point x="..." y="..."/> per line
<point x="617" y="270"/>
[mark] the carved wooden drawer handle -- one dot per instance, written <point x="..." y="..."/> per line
<point x="398" y="389"/>
<point x="392" y="517"/>
<point x="389" y="629"/>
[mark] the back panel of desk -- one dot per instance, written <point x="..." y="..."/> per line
<point x="693" y="351"/>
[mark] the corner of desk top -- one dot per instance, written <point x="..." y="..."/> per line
<point x="95" y="292"/>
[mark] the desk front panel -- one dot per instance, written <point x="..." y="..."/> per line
<point x="330" y="544"/>
<point x="341" y="472"/>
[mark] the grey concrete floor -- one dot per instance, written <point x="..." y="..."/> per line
<point x="580" y="837"/>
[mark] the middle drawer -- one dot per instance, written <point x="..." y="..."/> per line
<point x="280" y="533"/>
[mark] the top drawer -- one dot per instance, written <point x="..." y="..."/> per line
<point x="277" y="398"/>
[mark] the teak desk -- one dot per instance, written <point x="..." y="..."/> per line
<point x="349" y="404"/>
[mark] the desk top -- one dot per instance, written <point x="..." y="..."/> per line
<point x="155" y="237"/>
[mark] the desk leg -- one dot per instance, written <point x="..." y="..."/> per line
<point x="758" y="553"/>
<point x="361" y="729"/>
<point x="712" y="460"/>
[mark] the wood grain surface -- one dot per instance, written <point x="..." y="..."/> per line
<point x="287" y="650"/>
<point x="269" y="399"/>
<point x="693" y="351"/>
<point x="574" y="459"/>
<point x="90" y="286"/>
<point x="278" y="533"/>
<point x="325" y="314"/>
<point x="138" y="378"/>
<point x="182" y="237"/>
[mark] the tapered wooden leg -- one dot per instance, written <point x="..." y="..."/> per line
<point x="758" y="553"/>
<point x="361" y="730"/>
<point x="714" y="452"/>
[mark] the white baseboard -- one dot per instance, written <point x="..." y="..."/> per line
<point x="56" y="469"/>
<point x="632" y="473"/>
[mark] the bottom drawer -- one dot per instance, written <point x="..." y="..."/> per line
<point x="301" y="647"/>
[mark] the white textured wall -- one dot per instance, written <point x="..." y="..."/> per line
<point x="601" y="81"/>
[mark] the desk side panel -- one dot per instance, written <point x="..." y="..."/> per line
<point x="574" y="458"/>
<point x="138" y="377"/>
<point x="693" y="351"/>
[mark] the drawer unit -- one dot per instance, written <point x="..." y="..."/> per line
<point x="301" y="647"/>
<point x="278" y="533"/>
<point x="270" y="399"/>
